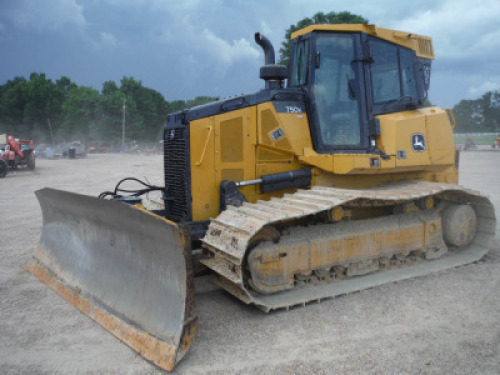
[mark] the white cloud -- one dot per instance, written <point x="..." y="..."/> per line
<point x="108" y="39"/>
<point x="189" y="38"/>
<point x="265" y="28"/>
<point x="459" y="28"/>
<point x="48" y="15"/>
<point x="223" y="51"/>
<point x="484" y="87"/>
<point x="174" y="6"/>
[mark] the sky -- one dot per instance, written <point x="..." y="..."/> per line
<point x="188" y="48"/>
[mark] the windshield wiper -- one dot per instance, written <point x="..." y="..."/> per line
<point x="407" y="101"/>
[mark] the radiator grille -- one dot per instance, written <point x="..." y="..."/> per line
<point x="177" y="174"/>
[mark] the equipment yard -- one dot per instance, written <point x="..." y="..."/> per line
<point x="447" y="322"/>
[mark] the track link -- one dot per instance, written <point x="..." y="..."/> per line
<point x="237" y="230"/>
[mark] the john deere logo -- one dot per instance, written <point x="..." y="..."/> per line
<point x="418" y="142"/>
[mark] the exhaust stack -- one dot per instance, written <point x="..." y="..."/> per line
<point x="274" y="75"/>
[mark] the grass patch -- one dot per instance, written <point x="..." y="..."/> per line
<point x="478" y="139"/>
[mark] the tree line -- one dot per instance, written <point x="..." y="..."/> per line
<point x="33" y="108"/>
<point x="479" y="115"/>
<point x="36" y="107"/>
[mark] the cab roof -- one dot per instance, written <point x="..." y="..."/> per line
<point x="422" y="45"/>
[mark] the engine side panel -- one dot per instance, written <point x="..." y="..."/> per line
<point x="273" y="137"/>
<point x="244" y="145"/>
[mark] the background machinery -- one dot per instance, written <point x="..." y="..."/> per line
<point x="340" y="181"/>
<point x="15" y="153"/>
<point x="497" y="142"/>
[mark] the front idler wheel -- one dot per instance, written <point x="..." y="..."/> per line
<point x="459" y="225"/>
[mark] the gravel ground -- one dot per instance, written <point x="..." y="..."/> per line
<point x="445" y="323"/>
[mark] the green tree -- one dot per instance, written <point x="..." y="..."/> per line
<point x="109" y="87"/>
<point x="491" y="111"/>
<point x="151" y="109"/>
<point x="200" y="100"/>
<point x="145" y="111"/>
<point x="318" y="18"/>
<point x="110" y="121"/>
<point x="468" y="116"/>
<point x="12" y="103"/>
<point x="135" y="108"/>
<point x="83" y="113"/>
<point x="80" y="113"/>
<point x="479" y="115"/>
<point x="43" y="103"/>
<point x="65" y="85"/>
<point x="176" y="105"/>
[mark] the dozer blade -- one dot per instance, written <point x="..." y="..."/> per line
<point x="127" y="269"/>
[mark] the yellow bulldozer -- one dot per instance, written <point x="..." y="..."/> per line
<point x="333" y="178"/>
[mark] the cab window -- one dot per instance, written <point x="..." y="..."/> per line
<point x="300" y="64"/>
<point x="335" y="91"/>
<point x="392" y="72"/>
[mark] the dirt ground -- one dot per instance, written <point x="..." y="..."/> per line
<point x="445" y="323"/>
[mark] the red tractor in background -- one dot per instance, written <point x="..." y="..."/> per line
<point x="15" y="153"/>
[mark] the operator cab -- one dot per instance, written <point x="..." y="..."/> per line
<point x="350" y="74"/>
